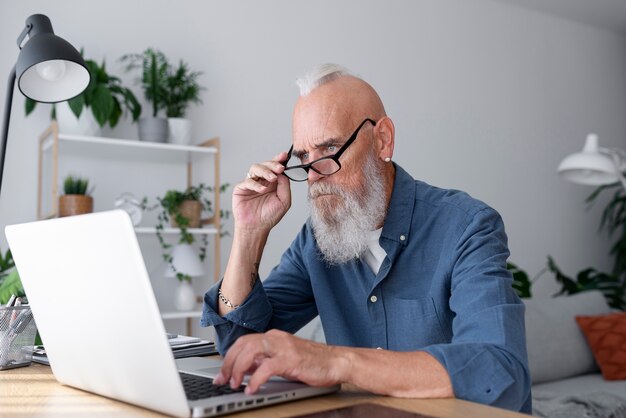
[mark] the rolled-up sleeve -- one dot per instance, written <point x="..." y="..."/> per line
<point x="282" y="301"/>
<point x="486" y="359"/>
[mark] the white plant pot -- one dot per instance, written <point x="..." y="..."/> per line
<point x="180" y="131"/>
<point x="185" y="298"/>
<point x="69" y="124"/>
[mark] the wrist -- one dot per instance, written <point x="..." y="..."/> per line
<point x="342" y="360"/>
<point x="250" y="237"/>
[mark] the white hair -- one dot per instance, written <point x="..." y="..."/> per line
<point x="320" y="75"/>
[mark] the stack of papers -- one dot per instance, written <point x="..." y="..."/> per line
<point x="182" y="346"/>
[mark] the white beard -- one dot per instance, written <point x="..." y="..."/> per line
<point x="342" y="230"/>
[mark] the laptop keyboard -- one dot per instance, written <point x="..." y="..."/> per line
<point x="199" y="387"/>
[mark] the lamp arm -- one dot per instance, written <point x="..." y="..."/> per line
<point x="7" y="116"/>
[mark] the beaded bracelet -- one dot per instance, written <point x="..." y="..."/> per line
<point x="224" y="300"/>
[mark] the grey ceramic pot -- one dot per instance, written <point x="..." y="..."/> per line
<point x="153" y="129"/>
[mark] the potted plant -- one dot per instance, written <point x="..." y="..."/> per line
<point x="183" y="209"/>
<point x="105" y="96"/>
<point x="182" y="90"/>
<point x="154" y="72"/>
<point x="76" y="199"/>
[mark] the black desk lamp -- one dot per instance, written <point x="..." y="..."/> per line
<point x="48" y="69"/>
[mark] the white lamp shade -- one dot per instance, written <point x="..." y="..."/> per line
<point x="590" y="167"/>
<point x="54" y="81"/>
<point x="186" y="261"/>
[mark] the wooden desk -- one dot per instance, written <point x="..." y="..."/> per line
<point x="33" y="391"/>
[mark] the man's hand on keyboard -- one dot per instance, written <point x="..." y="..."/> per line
<point x="277" y="353"/>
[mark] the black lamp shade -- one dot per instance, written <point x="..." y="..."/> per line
<point x="49" y="69"/>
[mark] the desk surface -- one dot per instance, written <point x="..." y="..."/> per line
<point x="33" y="391"/>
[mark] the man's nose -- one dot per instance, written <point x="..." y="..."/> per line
<point x="313" y="176"/>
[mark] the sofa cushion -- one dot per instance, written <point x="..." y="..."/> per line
<point x="606" y="335"/>
<point x="580" y="385"/>
<point x="556" y="347"/>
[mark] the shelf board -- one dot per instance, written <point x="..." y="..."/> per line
<point x="135" y="143"/>
<point x="181" y="314"/>
<point x="130" y="149"/>
<point x="167" y="231"/>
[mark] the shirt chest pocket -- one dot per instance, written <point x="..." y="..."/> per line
<point x="412" y="324"/>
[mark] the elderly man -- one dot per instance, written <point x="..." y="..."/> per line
<point x="409" y="280"/>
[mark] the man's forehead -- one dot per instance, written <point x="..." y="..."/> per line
<point x="313" y="130"/>
<point x="315" y="137"/>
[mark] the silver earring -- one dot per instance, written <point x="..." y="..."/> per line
<point x="387" y="159"/>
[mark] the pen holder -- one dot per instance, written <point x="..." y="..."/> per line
<point x="17" y="336"/>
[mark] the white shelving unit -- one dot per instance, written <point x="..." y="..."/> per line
<point x="49" y="143"/>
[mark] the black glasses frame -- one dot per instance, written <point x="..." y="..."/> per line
<point x="335" y="157"/>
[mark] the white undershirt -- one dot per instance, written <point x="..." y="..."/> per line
<point x="374" y="255"/>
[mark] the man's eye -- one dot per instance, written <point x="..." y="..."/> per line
<point x="304" y="157"/>
<point x="332" y="148"/>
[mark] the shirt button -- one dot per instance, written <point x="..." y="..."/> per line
<point x="402" y="237"/>
<point x="373" y="299"/>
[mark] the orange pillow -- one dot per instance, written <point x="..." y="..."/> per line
<point x="606" y="335"/>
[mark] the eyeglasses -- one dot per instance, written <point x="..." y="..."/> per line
<point x="324" y="166"/>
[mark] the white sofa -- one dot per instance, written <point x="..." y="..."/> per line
<point x="561" y="363"/>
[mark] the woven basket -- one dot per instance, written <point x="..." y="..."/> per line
<point x="75" y="204"/>
<point x="192" y="210"/>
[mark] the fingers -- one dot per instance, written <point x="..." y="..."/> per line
<point x="226" y="370"/>
<point x="262" y="176"/>
<point x="260" y="376"/>
<point x="250" y="359"/>
<point x="267" y="170"/>
<point x="281" y="158"/>
<point x="246" y="363"/>
<point x="244" y="356"/>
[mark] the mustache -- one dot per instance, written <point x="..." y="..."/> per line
<point x="319" y="189"/>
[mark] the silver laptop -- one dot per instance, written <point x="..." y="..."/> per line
<point x="95" y="309"/>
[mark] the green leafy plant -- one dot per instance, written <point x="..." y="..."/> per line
<point x="591" y="279"/>
<point x="154" y="76"/>
<point x="521" y="282"/>
<point x="11" y="285"/>
<point x="613" y="221"/>
<point x="6" y="262"/>
<point x="76" y="185"/>
<point x="105" y="95"/>
<point x="9" y="278"/>
<point x="182" y="90"/>
<point x="588" y="279"/>
<point x="170" y="209"/>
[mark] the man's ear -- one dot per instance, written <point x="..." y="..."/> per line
<point x="385" y="136"/>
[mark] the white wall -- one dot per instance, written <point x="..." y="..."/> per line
<point x="486" y="97"/>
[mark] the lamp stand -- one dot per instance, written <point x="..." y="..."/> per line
<point x="5" y="125"/>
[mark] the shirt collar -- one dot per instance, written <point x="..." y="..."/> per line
<point x="397" y="226"/>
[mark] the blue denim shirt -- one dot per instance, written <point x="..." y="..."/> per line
<point x="443" y="288"/>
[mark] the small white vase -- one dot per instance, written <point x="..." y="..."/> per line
<point x="185" y="298"/>
<point x="69" y="124"/>
<point x="180" y="131"/>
